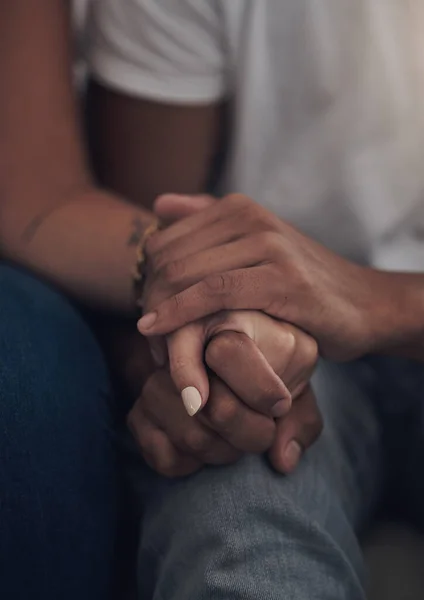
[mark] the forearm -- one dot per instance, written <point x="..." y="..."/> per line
<point x="52" y="218"/>
<point x="396" y="316"/>
<point x="87" y="247"/>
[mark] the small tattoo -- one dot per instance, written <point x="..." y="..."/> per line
<point x="136" y="233"/>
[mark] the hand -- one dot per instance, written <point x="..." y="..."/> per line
<point x="187" y="346"/>
<point x="233" y="356"/>
<point x="171" y="442"/>
<point x="291" y="353"/>
<point x="266" y="363"/>
<point x="237" y="255"/>
<point x="236" y="358"/>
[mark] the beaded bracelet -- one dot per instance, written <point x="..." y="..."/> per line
<point x="139" y="272"/>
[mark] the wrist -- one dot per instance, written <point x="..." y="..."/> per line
<point x="394" y="315"/>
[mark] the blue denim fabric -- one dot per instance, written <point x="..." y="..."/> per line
<point x="57" y="457"/>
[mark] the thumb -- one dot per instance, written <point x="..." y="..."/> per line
<point x="296" y="432"/>
<point x="188" y="371"/>
<point x="173" y="207"/>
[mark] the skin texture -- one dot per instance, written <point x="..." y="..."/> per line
<point x="238" y="421"/>
<point x="154" y="132"/>
<point x="137" y="144"/>
<point x="54" y="219"/>
<point x="237" y="255"/>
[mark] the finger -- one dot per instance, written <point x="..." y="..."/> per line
<point x="237" y="361"/>
<point x="296" y="432"/>
<point x="188" y="435"/>
<point x="243" y="428"/>
<point x="254" y="289"/>
<point x="290" y="352"/>
<point x="188" y="372"/>
<point x="219" y="211"/>
<point x="172" y="207"/>
<point x="158" y="451"/>
<point x="298" y="372"/>
<point x="183" y="266"/>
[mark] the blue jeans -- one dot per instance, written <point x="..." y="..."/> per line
<point x="58" y="486"/>
<point x="229" y="533"/>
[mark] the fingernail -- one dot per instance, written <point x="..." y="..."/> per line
<point x="192" y="400"/>
<point x="280" y="409"/>
<point x="292" y="455"/>
<point x="147" y="321"/>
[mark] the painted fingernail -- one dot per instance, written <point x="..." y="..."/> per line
<point x="280" y="409"/>
<point x="292" y="455"/>
<point x="192" y="400"/>
<point x="147" y="321"/>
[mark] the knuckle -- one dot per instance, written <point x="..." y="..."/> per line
<point x="221" y="347"/>
<point x="269" y="241"/>
<point x="197" y="441"/>
<point x="270" y="393"/>
<point x="146" y="403"/>
<point x="213" y="353"/>
<point x="222" y="413"/>
<point x="165" y="465"/>
<point x="269" y="222"/>
<point x="178" y="302"/>
<point x="149" y="446"/>
<point x="173" y="272"/>
<point x="301" y="275"/>
<point x="288" y="342"/>
<point x="238" y="201"/>
<point x="179" y="367"/>
<point x="219" y="283"/>
<point x="306" y="357"/>
<point x="310" y="351"/>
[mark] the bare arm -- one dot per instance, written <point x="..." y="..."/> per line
<point x="53" y="219"/>
<point x="143" y="149"/>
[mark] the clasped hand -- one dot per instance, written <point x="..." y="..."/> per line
<point x="245" y="378"/>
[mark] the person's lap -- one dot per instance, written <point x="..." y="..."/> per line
<point x="235" y="532"/>
<point x="57" y="460"/>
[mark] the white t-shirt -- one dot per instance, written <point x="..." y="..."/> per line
<point x="328" y="105"/>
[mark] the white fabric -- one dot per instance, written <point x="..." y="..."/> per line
<point x="328" y="95"/>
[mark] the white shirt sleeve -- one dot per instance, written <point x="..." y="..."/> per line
<point x="163" y="50"/>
